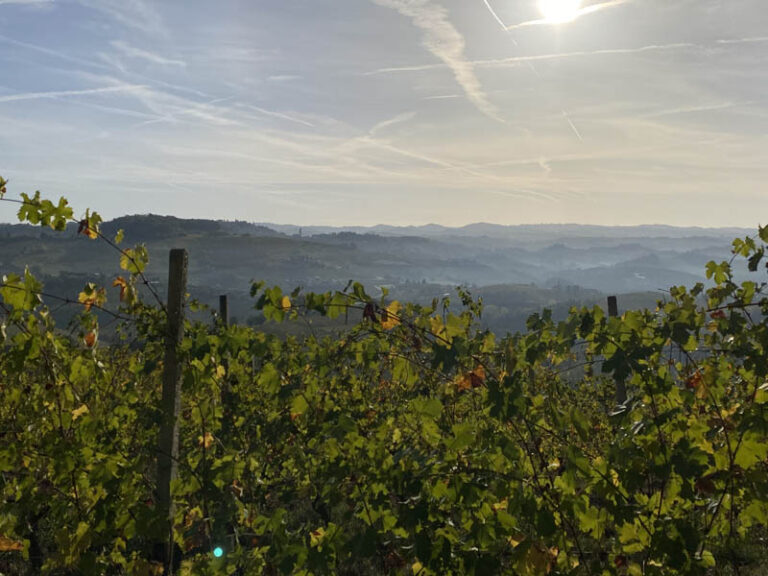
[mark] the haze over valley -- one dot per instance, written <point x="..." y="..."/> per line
<point x="517" y="270"/>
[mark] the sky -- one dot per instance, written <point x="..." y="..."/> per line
<point x="360" y="112"/>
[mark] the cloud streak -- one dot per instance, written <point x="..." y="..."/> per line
<point x="135" y="14"/>
<point x="280" y="116"/>
<point x="515" y="60"/>
<point x="494" y="14"/>
<point x="25" y="2"/>
<point x="52" y="53"/>
<point x="399" y="119"/>
<point x="445" y="42"/>
<point x="133" y="52"/>
<point x="68" y="93"/>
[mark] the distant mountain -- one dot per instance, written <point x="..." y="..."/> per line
<point x="520" y="268"/>
<point x="520" y="232"/>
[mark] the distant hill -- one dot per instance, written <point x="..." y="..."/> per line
<point x="520" y="268"/>
<point x="518" y="232"/>
<point x="150" y="227"/>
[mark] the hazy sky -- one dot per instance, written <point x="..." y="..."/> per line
<point x="389" y="111"/>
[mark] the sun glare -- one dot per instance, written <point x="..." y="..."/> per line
<point x="560" y="11"/>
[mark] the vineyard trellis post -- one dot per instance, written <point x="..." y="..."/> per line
<point x="226" y="395"/>
<point x="613" y="306"/>
<point x="621" y="386"/>
<point x="168" y="448"/>
<point x="224" y="310"/>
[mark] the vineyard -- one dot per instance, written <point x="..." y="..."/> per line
<point x="411" y="442"/>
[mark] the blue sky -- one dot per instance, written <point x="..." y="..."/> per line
<point x="390" y="111"/>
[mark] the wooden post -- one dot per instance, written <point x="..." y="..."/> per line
<point x="226" y="395"/>
<point x="621" y="386"/>
<point x="224" y="310"/>
<point x="168" y="446"/>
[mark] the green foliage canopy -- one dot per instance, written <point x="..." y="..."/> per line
<point x="413" y="443"/>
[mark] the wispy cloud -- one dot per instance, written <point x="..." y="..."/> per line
<point x="280" y="115"/>
<point x="171" y="108"/>
<point x="69" y="93"/>
<point x="445" y="42"/>
<point x="136" y="14"/>
<point x="443" y="97"/>
<point x="515" y="60"/>
<point x="133" y="52"/>
<point x="51" y="53"/>
<point x="283" y="78"/>
<point x="697" y="109"/>
<point x="115" y="62"/>
<point x="25" y="2"/>
<point x="399" y="119"/>
<point x="748" y="40"/>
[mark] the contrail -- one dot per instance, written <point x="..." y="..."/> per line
<point x="530" y="64"/>
<point x="502" y="62"/>
<point x="496" y="16"/>
<point x="446" y="43"/>
<point x="65" y="93"/>
<point x="52" y="53"/>
<point x="500" y="21"/>
<point x="572" y="125"/>
<point x="751" y="40"/>
<point x="280" y="115"/>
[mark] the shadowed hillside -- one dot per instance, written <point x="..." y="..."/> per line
<point x="518" y="269"/>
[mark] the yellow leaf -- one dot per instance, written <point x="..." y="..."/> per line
<point x="221" y="372"/>
<point x="436" y="325"/>
<point x="761" y="396"/>
<point x="125" y="259"/>
<point x="316" y="537"/>
<point x="83" y="410"/>
<point x="193" y="516"/>
<point x="205" y="441"/>
<point x="286" y="303"/>
<point x="8" y="545"/>
<point x="92" y="296"/>
<point x="417" y="567"/>
<point x="390" y="316"/>
<point x="86" y="300"/>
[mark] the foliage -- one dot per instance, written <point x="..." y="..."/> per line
<point x="413" y="443"/>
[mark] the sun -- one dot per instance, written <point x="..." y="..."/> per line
<point x="560" y="11"/>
